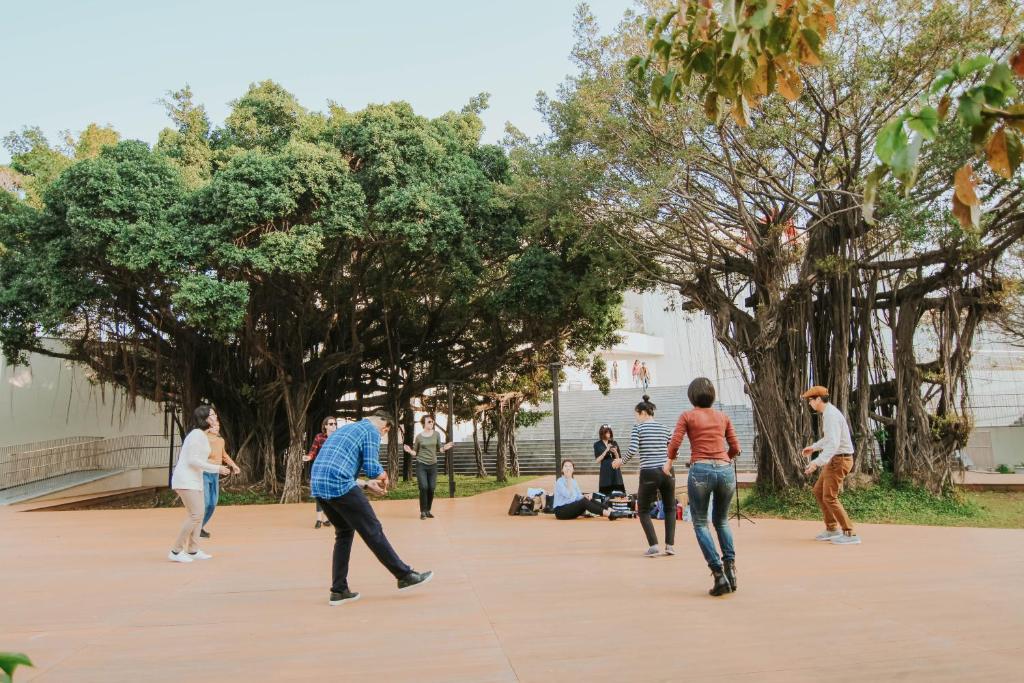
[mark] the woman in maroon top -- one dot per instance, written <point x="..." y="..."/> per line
<point x="711" y="474"/>
<point x="328" y="426"/>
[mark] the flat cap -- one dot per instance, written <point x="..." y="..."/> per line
<point x="815" y="391"/>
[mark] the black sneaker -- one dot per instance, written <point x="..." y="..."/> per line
<point x="204" y="534"/>
<point x="413" y="579"/>
<point x="342" y="598"/>
<point x="429" y="514"/>
<point x="327" y="523"/>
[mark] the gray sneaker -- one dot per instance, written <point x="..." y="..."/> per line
<point x="669" y="550"/>
<point x="827" y="535"/>
<point x="652" y="551"/>
<point x="844" y="539"/>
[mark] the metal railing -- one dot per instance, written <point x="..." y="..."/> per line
<point x="27" y="463"/>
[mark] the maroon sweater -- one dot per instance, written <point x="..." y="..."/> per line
<point x="708" y="430"/>
<point x="318" y="441"/>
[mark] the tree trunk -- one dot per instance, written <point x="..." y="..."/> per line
<point x="296" y="403"/>
<point x="500" y="462"/>
<point x="478" y="454"/>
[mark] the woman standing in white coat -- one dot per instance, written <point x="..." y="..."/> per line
<point x="187" y="482"/>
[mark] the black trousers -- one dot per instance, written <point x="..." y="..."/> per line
<point x="578" y="507"/>
<point x="351" y="514"/>
<point x="652" y="482"/>
<point x="426" y="477"/>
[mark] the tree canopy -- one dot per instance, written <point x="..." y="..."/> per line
<point x="295" y="263"/>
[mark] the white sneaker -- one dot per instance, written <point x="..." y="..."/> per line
<point x="843" y="539"/>
<point x="179" y="557"/>
<point x="652" y="551"/>
<point x="669" y="550"/>
<point x="827" y="535"/>
<point x="200" y="555"/>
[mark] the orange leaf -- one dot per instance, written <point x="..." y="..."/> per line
<point x="998" y="155"/>
<point x="827" y="24"/>
<point x="944" y="107"/>
<point x="761" y="77"/>
<point x="1017" y="62"/>
<point x="807" y="55"/>
<point x="963" y="213"/>
<point x="741" y="113"/>
<point x="789" y="82"/>
<point x="964" y="184"/>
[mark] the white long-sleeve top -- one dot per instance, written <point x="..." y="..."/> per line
<point x="192" y="462"/>
<point x="836" y="437"/>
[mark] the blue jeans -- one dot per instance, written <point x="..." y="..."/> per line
<point x="211" y="491"/>
<point x="705" y="479"/>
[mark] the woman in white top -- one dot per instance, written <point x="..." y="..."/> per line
<point x="187" y="482"/>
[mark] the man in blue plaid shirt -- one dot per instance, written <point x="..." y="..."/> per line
<point x="335" y="483"/>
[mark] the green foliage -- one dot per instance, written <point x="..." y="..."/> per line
<point x="287" y="259"/>
<point x="980" y="107"/>
<point x="9" y="661"/>
<point x="746" y="50"/>
<point x="884" y="503"/>
<point x="1004" y="469"/>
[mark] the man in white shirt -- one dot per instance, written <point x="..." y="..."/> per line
<point x="835" y="460"/>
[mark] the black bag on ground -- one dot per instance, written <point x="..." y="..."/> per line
<point x="517" y="502"/>
<point x="549" y="504"/>
<point x="521" y="505"/>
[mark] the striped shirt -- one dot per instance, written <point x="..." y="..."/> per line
<point x="351" y="448"/>
<point x="649" y="440"/>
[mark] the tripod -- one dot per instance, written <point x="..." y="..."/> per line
<point x="738" y="515"/>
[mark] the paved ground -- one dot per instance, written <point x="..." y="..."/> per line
<point x="90" y="597"/>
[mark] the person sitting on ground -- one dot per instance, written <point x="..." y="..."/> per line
<point x="570" y="503"/>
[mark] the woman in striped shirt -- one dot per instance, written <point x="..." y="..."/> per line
<point x="649" y="440"/>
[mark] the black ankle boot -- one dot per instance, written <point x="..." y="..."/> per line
<point x="730" y="573"/>
<point x="721" y="586"/>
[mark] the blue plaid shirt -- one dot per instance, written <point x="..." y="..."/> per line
<point x="350" y="448"/>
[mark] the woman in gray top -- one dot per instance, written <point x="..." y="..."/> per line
<point x="425" y="448"/>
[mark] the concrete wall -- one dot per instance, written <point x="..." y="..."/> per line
<point x="990" y="447"/>
<point x="51" y="398"/>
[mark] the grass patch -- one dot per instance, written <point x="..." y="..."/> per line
<point x="465" y="485"/>
<point x="888" y="504"/>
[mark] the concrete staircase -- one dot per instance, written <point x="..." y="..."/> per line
<point x="582" y="413"/>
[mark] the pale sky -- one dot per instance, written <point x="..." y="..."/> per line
<point x="72" y="62"/>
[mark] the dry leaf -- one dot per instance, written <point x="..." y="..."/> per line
<point x="963" y="213"/>
<point x="964" y="183"/>
<point x="761" y="77"/>
<point x="998" y="155"/>
<point x="807" y="55"/>
<point x="944" y="107"/>
<point x="1017" y="62"/>
<point x="790" y="84"/>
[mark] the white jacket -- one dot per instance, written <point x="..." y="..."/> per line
<point x="192" y="462"/>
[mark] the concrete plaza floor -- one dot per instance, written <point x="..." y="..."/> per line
<point x="89" y="596"/>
